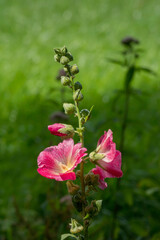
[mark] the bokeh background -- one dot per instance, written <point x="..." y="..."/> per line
<point x="32" y="207"/>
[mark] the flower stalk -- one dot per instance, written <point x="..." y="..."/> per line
<point x="59" y="162"/>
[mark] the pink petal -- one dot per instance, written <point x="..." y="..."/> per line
<point x="102" y="183"/>
<point x="46" y="172"/>
<point x="113" y="168"/>
<point x="46" y="159"/>
<point x="106" y="145"/>
<point x="106" y="137"/>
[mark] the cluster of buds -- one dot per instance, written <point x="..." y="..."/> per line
<point x="64" y="57"/>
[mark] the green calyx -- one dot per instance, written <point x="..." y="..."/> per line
<point x="68" y="130"/>
<point x="94" y="156"/>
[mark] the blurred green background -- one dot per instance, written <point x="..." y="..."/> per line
<point x="32" y="207"/>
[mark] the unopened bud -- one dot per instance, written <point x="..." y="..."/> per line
<point x="69" y="55"/>
<point x="77" y="85"/>
<point x="64" y="50"/>
<point x="64" y="60"/>
<point x="94" y="157"/>
<point x="57" y="58"/>
<point x="78" y="96"/>
<point x="74" y="69"/>
<point x="72" y="188"/>
<point x="65" y="69"/>
<point x="69" y="108"/>
<point x="75" y="227"/>
<point x="65" y="80"/>
<point x="57" y="50"/>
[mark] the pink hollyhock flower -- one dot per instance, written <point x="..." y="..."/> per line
<point x="107" y="159"/>
<point x="62" y="130"/>
<point x="58" y="162"/>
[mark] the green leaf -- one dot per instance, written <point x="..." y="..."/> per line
<point x="64" y="236"/>
<point x="116" y="61"/>
<point x="129" y="76"/>
<point x="146" y="69"/>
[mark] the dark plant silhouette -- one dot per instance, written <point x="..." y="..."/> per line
<point x="130" y="55"/>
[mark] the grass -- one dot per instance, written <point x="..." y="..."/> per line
<point x="92" y="30"/>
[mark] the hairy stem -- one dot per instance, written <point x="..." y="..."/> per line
<point x="81" y="165"/>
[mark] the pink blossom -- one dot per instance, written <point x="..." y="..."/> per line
<point x="58" y="162"/>
<point x="110" y="164"/>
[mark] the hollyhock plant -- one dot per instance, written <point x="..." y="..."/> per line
<point x="60" y="162"/>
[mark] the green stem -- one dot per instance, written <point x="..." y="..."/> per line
<point x="81" y="165"/>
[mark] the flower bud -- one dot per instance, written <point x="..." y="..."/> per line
<point x="65" y="69"/>
<point x="64" y="50"/>
<point x="69" y="55"/>
<point x="78" y="96"/>
<point x="61" y="130"/>
<point x="67" y="131"/>
<point x="57" y="51"/>
<point x="72" y="188"/>
<point x="57" y="58"/>
<point x="69" y="108"/>
<point x="74" y="69"/>
<point x="65" y="80"/>
<point x="94" y="157"/>
<point x="75" y="226"/>
<point x="64" y="60"/>
<point x="77" y="85"/>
